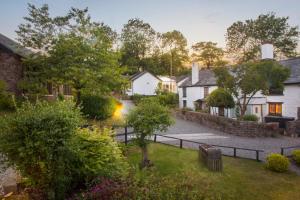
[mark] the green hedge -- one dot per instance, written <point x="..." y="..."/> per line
<point x="98" y="107"/>
<point x="250" y="118"/>
<point x="277" y="162"/>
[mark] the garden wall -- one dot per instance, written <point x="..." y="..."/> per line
<point x="232" y="126"/>
<point x="293" y="127"/>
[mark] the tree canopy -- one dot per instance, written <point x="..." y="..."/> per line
<point x="243" y="39"/>
<point x="146" y="118"/>
<point x="82" y="57"/>
<point x="208" y="53"/>
<point x="245" y="80"/>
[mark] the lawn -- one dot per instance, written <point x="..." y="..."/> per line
<point x="179" y="169"/>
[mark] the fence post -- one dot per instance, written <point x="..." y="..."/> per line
<point x="154" y="137"/>
<point x="234" y="152"/>
<point x="282" y="151"/>
<point x="181" y="143"/>
<point x="257" y="155"/>
<point x="126" y="135"/>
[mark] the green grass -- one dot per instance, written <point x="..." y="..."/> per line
<point x="241" y="179"/>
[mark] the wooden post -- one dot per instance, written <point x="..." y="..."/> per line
<point x="234" y="152"/>
<point x="282" y="151"/>
<point x="126" y="135"/>
<point x="154" y="137"/>
<point x="181" y="143"/>
<point x="257" y="155"/>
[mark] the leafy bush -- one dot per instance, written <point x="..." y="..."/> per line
<point x="97" y="107"/>
<point x="250" y="117"/>
<point x="6" y="100"/>
<point x="35" y="140"/>
<point x="296" y="156"/>
<point x="99" y="154"/>
<point x="168" y="99"/>
<point x="45" y="143"/>
<point x="277" y="162"/>
<point x="220" y="98"/>
<point x="136" y="98"/>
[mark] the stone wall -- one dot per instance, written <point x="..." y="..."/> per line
<point x="11" y="70"/>
<point x="232" y="126"/>
<point x="293" y="127"/>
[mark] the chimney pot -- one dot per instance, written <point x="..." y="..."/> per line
<point x="267" y="51"/>
<point x="195" y="73"/>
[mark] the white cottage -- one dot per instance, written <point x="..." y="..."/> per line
<point x="143" y="83"/>
<point x="200" y="83"/>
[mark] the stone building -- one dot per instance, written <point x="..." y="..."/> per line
<point x="11" y="69"/>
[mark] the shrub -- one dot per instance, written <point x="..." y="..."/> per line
<point x="136" y="98"/>
<point x="250" y="117"/>
<point x="99" y="153"/>
<point x="296" y="156"/>
<point x="168" y="99"/>
<point x="35" y="140"/>
<point x="277" y="162"/>
<point x="6" y="100"/>
<point x="220" y="98"/>
<point x="97" y="107"/>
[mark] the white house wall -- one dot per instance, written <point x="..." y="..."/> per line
<point x="290" y="100"/>
<point x="193" y="94"/>
<point x="144" y="85"/>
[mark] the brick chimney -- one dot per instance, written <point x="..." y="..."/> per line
<point x="267" y="51"/>
<point x="195" y="73"/>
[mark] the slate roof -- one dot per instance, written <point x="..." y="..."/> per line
<point x="13" y="46"/>
<point x="207" y="77"/>
<point x="139" y="74"/>
<point x="294" y="65"/>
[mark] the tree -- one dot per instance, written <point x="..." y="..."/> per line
<point x="137" y="41"/>
<point x="175" y="45"/>
<point x="244" y="38"/>
<point x="147" y="118"/>
<point x="81" y="55"/>
<point x="208" y="53"/>
<point x="220" y="98"/>
<point x="245" y="80"/>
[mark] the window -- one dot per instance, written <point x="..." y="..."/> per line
<point x="205" y="92"/>
<point x="67" y="90"/>
<point x="275" y="109"/>
<point x="184" y="92"/>
<point x="49" y="88"/>
<point x="184" y="103"/>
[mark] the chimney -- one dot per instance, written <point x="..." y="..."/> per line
<point x="195" y="73"/>
<point x="267" y="51"/>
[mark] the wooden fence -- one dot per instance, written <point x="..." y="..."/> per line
<point x="182" y="141"/>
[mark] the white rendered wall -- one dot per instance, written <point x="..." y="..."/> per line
<point x="290" y="100"/>
<point x="144" y="85"/>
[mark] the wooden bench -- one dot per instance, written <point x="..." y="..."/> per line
<point x="211" y="157"/>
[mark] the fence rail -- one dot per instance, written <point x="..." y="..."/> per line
<point x="283" y="149"/>
<point x="181" y="142"/>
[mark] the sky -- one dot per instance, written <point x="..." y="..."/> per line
<point x="198" y="20"/>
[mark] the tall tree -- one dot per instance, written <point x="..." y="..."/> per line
<point x="244" y="38"/>
<point x="245" y="80"/>
<point x="175" y="47"/>
<point x="208" y="53"/>
<point x="82" y="56"/>
<point x="146" y="118"/>
<point x="137" y="42"/>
